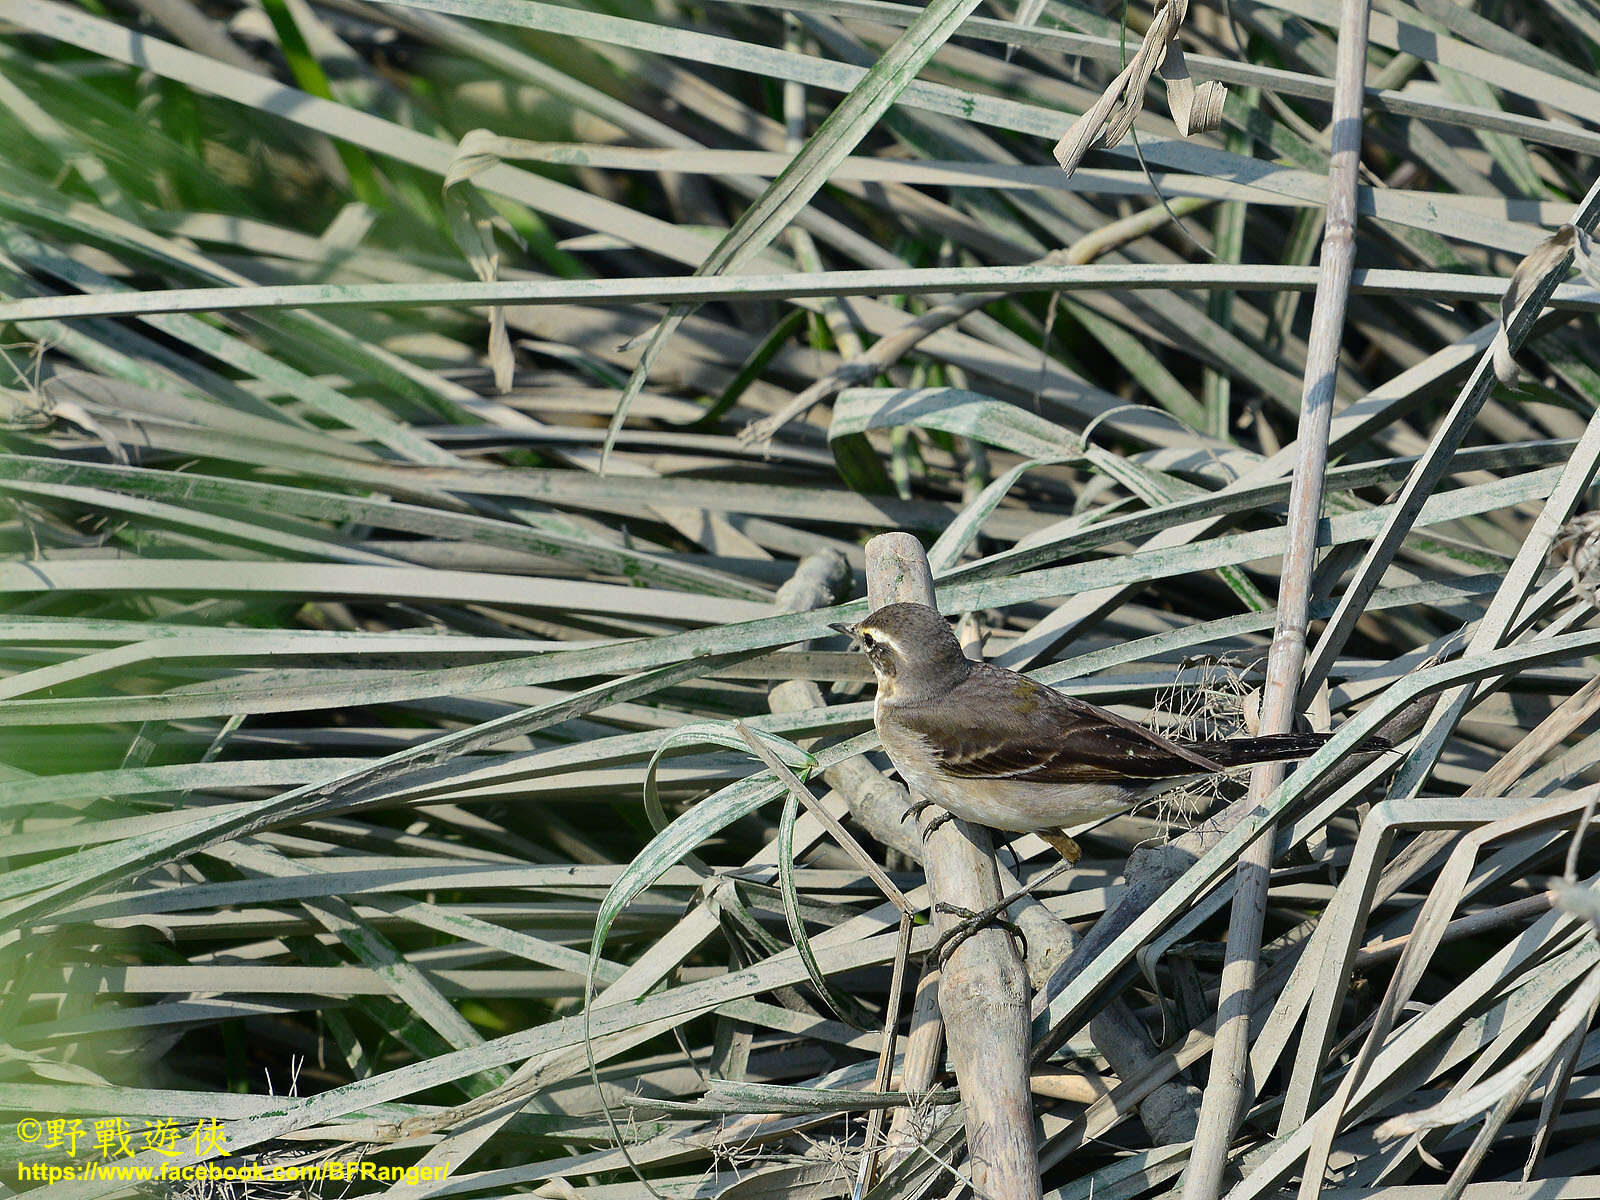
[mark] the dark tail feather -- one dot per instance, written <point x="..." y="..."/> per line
<point x="1239" y="752"/>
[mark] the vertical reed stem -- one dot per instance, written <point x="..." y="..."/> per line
<point x="1229" y="1087"/>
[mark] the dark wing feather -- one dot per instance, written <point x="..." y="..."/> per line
<point x="999" y="724"/>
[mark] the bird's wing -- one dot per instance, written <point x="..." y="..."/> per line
<point x="998" y="724"/>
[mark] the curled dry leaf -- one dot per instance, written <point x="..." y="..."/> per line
<point x="471" y="222"/>
<point x="1552" y="254"/>
<point x="1195" y="109"/>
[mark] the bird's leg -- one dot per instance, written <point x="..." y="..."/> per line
<point x="971" y="923"/>
<point x="1064" y="845"/>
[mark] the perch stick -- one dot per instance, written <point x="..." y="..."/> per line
<point x="983" y="992"/>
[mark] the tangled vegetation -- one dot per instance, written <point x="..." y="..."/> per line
<point x="418" y="584"/>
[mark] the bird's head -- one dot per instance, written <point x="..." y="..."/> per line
<point x="913" y="652"/>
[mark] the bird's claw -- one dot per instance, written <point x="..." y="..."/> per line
<point x="971" y="923"/>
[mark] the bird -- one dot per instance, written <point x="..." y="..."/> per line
<point x="996" y="748"/>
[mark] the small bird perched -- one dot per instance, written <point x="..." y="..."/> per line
<point x="999" y="749"/>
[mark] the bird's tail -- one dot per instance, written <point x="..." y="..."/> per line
<point x="1240" y="752"/>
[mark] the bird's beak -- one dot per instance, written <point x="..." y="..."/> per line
<point x="848" y="630"/>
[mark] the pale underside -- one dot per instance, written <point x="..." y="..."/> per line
<point x="1025" y="807"/>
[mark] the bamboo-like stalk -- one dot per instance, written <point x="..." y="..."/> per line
<point x="1229" y="1083"/>
<point x="983" y="990"/>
